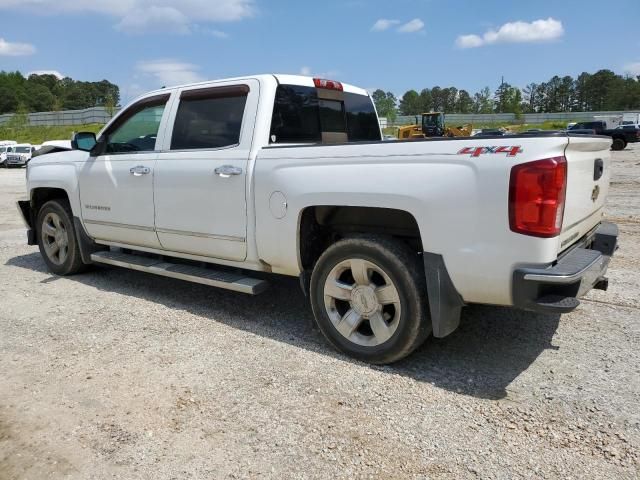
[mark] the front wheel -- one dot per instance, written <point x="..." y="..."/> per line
<point x="369" y="298"/>
<point x="57" y="238"/>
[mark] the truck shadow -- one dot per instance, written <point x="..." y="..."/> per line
<point x="491" y="348"/>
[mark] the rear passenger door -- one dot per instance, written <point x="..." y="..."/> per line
<point x="201" y="174"/>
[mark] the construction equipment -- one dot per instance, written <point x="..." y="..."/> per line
<point x="432" y="125"/>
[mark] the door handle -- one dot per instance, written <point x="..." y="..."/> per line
<point x="139" y="170"/>
<point x="225" y="171"/>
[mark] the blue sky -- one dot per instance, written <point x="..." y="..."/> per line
<point x="394" y="45"/>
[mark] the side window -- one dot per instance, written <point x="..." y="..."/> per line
<point x="138" y="129"/>
<point x="362" y="121"/>
<point x="295" y="115"/>
<point x="209" y="118"/>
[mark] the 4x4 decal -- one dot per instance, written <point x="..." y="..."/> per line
<point x="477" y="151"/>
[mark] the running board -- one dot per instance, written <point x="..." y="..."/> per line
<point x="214" y="278"/>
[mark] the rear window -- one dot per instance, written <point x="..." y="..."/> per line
<point x="299" y="116"/>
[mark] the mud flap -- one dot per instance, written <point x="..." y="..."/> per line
<point x="445" y="303"/>
<point x="85" y="242"/>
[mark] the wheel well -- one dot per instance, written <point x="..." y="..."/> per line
<point x="40" y="196"/>
<point x="320" y="226"/>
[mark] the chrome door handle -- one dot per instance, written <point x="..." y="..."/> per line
<point x="225" y="171"/>
<point x="139" y="170"/>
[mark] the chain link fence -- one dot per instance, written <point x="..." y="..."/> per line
<point x="65" y="117"/>
<point x="528" y="118"/>
<point x="102" y="115"/>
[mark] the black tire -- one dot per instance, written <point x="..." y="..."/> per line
<point x="618" y="144"/>
<point x="72" y="261"/>
<point x="394" y="262"/>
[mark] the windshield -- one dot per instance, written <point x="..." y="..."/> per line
<point x="431" y="120"/>
<point x="23" y="149"/>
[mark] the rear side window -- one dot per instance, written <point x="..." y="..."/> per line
<point x="209" y="118"/>
<point x="299" y="116"/>
<point x="295" y="115"/>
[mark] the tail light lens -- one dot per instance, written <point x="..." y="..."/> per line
<point x="327" y="84"/>
<point x="536" y="197"/>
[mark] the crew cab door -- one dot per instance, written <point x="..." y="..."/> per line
<point x="116" y="186"/>
<point x="201" y="174"/>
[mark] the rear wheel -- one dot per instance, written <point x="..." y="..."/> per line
<point x="618" y="144"/>
<point x="368" y="296"/>
<point x="57" y="238"/>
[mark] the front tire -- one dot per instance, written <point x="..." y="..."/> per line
<point x="57" y="238"/>
<point x="369" y="298"/>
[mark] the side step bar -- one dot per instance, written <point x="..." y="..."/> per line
<point x="230" y="281"/>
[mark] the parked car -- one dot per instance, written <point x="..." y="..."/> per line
<point x="280" y="174"/>
<point x="19" y="155"/>
<point x="490" y="132"/>
<point x="4" y="150"/>
<point x="620" y="137"/>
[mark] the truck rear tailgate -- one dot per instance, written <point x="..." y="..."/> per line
<point x="588" y="175"/>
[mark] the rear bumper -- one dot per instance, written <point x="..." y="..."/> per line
<point x="557" y="288"/>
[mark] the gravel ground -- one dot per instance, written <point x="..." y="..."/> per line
<point x="118" y="374"/>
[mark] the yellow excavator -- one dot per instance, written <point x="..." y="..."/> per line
<point x="432" y="125"/>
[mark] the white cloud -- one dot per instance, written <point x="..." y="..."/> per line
<point x="632" y="68"/>
<point x="515" y="32"/>
<point x="218" y="34"/>
<point x="169" y="72"/>
<point x="309" y="72"/>
<point x="384" y="24"/>
<point x="55" y="73"/>
<point x="154" y="19"/>
<point x="14" y="49"/>
<point x="469" y="41"/>
<point x="413" y="26"/>
<point x="177" y="16"/>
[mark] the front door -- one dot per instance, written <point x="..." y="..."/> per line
<point x="116" y="187"/>
<point x="201" y="175"/>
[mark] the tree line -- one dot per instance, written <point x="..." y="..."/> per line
<point x="46" y="93"/>
<point x="603" y="90"/>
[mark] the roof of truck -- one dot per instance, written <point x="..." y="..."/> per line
<point x="302" y="80"/>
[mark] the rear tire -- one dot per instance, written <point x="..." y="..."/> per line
<point x="618" y="144"/>
<point x="57" y="238"/>
<point x="369" y="298"/>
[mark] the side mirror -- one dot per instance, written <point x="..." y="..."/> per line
<point x="84" y="141"/>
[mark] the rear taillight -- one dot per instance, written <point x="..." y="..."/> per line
<point x="536" y="197"/>
<point x="327" y="84"/>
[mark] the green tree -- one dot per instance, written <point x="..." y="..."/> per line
<point x="482" y="102"/>
<point x="8" y="99"/>
<point x="426" y="101"/>
<point x="39" y="98"/>
<point x="410" y="103"/>
<point x="385" y="104"/>
<point x="464" y="103"/>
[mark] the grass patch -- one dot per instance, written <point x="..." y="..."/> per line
<point x="37" y="135"/>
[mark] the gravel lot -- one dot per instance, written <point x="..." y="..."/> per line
<point x="118" y="374"/>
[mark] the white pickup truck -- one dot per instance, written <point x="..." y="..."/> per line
<point x="219" y="181"/>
